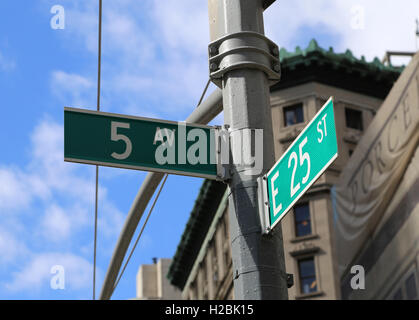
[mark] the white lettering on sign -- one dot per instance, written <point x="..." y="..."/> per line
<point x="319" y="130"/>
<point x="304" y="157"/>
<point x="312" y="152"/>
<point x="169" y="134"/>
<point x="297" y="187"/>
<point x="115" y="136"/>
<point x="158" y="136"/>
<point x="277" y="209"/>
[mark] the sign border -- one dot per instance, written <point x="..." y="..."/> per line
<point x="118" y="115"/>
<point x="267" y="212"/>
<point x="142" y="168"/>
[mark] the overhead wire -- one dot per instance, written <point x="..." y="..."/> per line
<point x="140" y="234"/>
<point x="97" y="167"/>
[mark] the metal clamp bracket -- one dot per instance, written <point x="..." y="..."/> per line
<point x="245" y="49"/>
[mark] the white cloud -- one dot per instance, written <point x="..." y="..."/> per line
<point x="73" y="89"/>
<point x="49" y="170"/>
<point x="10" y="246"/>
<point x="183" y="25"/>
<point x="36" y="274"/>
<point x="131" y="83"/>
<point x="82" y="21"/>
<point x="110" y="220"/>
<point x="387" y="25"/>
<point x="150" y="52"/>
<point x="73" y="81"/>
<point x="56" y="196"/>
<point x="56" y="223"/>
<point x="123" y="36"/>
<point x="47" y="140"/>
<point x="156" y="51"/>
<point x="13" y="191"/>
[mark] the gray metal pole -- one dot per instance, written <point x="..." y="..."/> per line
<point x="258" y="260"/>
<point x="203" y="114"/>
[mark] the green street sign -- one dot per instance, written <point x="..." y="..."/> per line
<point x="115" y="140"/>
<point x="312" y="152"/>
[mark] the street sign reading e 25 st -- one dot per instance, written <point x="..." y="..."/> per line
<point x="115" y="140"/>
<point x="312" y="152"/>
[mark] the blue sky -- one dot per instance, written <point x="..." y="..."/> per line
<point x="154" y="65"/>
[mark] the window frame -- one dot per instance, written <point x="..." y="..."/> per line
<point x="355" y="110"/>
<point x="296" y="236"/>
<point x="290" y="107"/>
<point x="301" y="293"/>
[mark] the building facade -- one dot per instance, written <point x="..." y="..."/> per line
<point x="309" y="78"/>
<point x="152" y="283"/>
<point x="377" y="201"/>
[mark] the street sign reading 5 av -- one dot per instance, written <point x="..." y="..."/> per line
<point x="312" y="152"/>
<point x="114" y="140"/>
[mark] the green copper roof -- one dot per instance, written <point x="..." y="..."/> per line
<point x="342" y="70"/>
<point x="313" y="47"/>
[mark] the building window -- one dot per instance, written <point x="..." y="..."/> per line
<point x="214" y="265"/>
<point x="302" y="220"/>
<point x="410" y="285"/>
<point x="204" y="273"/>
<point x="353" y="119"/>
<point x="225" y="230"/>
<point x="293" y="114"/>
<point x="307" y="275"/>
<point x="227" y="258"/>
